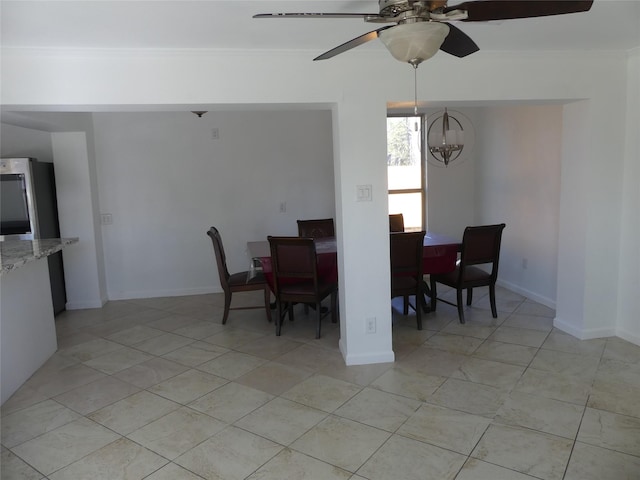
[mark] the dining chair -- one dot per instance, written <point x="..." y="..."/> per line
<point x="295" y="277"/>
<point x="396" y="222"/>
<point x="480" y="246"/>
<point x="237" y="282"/>
<point x="323" y="227"/>
<point x="406" y="269"/>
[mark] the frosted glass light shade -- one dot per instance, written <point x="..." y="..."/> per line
<point x="414" y="42"/>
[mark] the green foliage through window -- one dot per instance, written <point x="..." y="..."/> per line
<point x="399" y="133"/>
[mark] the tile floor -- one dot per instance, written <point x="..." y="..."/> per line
<point x="157" y="389"/>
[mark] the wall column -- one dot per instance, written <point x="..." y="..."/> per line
<point x="77" y="204"/>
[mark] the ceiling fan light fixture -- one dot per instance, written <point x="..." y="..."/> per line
<point x="414" y="42"/>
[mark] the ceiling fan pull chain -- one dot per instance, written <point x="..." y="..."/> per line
<point x="415" y="89"/>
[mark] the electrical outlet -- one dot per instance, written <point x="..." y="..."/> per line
<point x="371" y="325"/>
<point x="106" y="219"/>
<point x="283" y="207"/>
<point x="215" y="134"/>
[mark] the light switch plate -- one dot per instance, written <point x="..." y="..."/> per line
<point x="363" y="193"/>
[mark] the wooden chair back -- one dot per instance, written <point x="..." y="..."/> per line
<point x="294" y="264"/>
<point x="396" y="222"/>
<point x="221" y="258"/>
<point x="406" y="253"/>
<point x="481" y="245"/>
<point x="293" y="259"/>
<point x="323" y="227"/>
<point x="406" y="269"/>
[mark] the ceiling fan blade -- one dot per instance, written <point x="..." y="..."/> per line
<point x="458" y="43"/>
<point x="316" y="15"/>
<point x="355" y="42"/>
<point x="485" y="10"/>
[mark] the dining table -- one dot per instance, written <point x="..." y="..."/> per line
<point x="440" y="253"/>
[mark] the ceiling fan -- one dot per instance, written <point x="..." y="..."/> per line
<point x="422" y="27"/>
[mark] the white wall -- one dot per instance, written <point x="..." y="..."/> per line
<point x="628" y="325"/>
<point x="517" y="181"/>
<point x="359" y="85"/>
<point x="25" y="142"/>
<point x="165" y="181"/>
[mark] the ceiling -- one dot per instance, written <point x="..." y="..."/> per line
<point x="227" y="24"/>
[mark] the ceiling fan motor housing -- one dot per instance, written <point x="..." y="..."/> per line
<point x="392" y="8"/>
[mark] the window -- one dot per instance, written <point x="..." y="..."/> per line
<point x="406" y="170"/>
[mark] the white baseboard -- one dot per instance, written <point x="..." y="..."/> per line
<point x="366" y="358"/>
<point x="130" y="295"/>
<point x="85" y="304"/>
<point x="547" y="302"/>
<point x="583" y="334"/>
<point x="628" y="336"/>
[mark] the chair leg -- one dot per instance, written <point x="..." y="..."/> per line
<point x="434" y="295"/>
<point x="469" y="296"/>
<point x="418" y="308"/>
<point x="279" y="319"/>
<point x="267" y="301"/>
<point x="227" y="306"/>
<point x="492" y="299"/>
<point x="334" y="307"/>
<point x="319" y="317"/>
<point x="460" y="305"/>
<point x="424" y="294"/>
<point x="405" y="310"/>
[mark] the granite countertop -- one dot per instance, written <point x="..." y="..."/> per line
<point x="15" y="253"/>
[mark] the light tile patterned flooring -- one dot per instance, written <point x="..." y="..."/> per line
<point x="158" y="389"/>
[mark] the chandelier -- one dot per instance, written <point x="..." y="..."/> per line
<point x="445" y="138"/>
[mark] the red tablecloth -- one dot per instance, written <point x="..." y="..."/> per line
<point x="440" y="254"/>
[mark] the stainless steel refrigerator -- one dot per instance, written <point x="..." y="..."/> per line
<point x="29" y="209"/>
